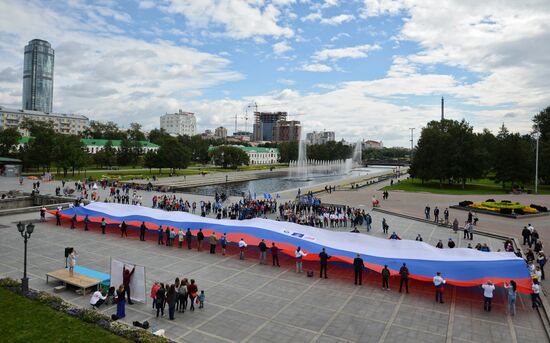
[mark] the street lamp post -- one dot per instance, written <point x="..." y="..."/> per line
<point x="26" y="234"/>
<point x="537" y="137"/>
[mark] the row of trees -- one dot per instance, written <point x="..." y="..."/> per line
<point x="450" y="151"/>
<point x="324" y="152"/>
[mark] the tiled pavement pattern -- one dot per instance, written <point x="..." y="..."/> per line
<point x="248" y="302"/>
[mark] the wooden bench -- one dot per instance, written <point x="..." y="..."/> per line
<point x="81" y="281"/>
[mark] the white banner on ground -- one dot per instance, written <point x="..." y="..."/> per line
<point x="137" y="282"/>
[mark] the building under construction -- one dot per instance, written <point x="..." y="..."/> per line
<point x="264" y="123"/>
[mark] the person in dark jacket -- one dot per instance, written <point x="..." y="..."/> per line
<point x="404" y="278"/>
<point x="167" y="233"/>
<point x="386" y="278"/>
<point x="161" y="299"/>
<point x="73" y="222"/>
<point x="358" y="267"/>
<point x="160" y="232"/>
<point x="171" y="297"/>
<point x="126" y="279"/>
<point x="57" y="218"/>
<point x="103" y="225"/>
<point x="142" y="230"/>
<point x="123" y="229"/>
<point x="200" y="238"/>
<point x="275" y="254"/>
<point x="188" y="238"/>
<point x="526" y="234"/>
<point x="121" y="302"/>
<point x="323" y="259"/>
<point x="86" y="222"/>
<point x="263" y="252"/>
<point x="192" y="290"/>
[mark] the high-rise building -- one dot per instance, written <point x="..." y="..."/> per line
<point x="263" y="124"/>
<point x="179" y="123"/>
<point x="38" y="76"/>
<point x="287" y="131"/>
<point x="220" y="132"/>
<point x="320" y="137"/>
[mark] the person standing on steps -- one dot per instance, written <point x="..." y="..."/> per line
<point x="404" y="278"/>
<point x="358" y="267"/>
<point x="323" y="260"/>
<point x="275" y="254"/>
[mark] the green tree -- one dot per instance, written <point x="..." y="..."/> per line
<point x="135" y="133"/>
<point x="150" y="160"/>
<point x="229" y="156"/>
<point x="172" y="154"/>
<point x="541" y="124"/>
<point x="512" y="157"/>
<point x="129" y="152"/>
<point x="9" y="139"/>
<point x="99" y="130"/>
<point x="158" y="136"/>
<point x="69" y="153"/>
<point x="288" y="151"/>
<point x="40" y="149"/>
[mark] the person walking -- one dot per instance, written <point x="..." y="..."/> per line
<point x="223" y="243"/>
<point x="404" y="278"/>
<point x="358" y="267"/>
<point x="512" y="293"/>
<point x="427" y="211"/>
<point x="123" y="229"/>
<point x="126" y="279"/>
<point x="368" y="221"/>
<point x="153" y="293"/>
<point x="188" y="238"/>
<point x="213" y="243"/>
<point x="275" y="254"/>
<point x="242" y="247"/>
<point x="488" y="290"/>
<point x="323" y="260"/>
<point x="263" y="252"/>
<point x="200" y="238"/>
<point x="160" y="300"/>
<point x="171" y="298"/>
<point x="142" y="230"/>
<point x="299" y="254"/>
<point x="385" y="226"/>
<point x="103" y="226"/>
<point x="192" y="290"/>
<point x="160" y="233"/>
<point x="526" y="234"/>
<point x="438" y="283"/>
<point x="121" y="302"/>
<point x="386" y="278"/>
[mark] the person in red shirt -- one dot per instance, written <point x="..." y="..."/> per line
<point x="275" y="254"/>
<point x="126" y="278"/>
<point x="192" y="290"/>
<point x="154" y="290"/>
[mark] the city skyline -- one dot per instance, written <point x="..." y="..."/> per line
<point x="370" y="69"/>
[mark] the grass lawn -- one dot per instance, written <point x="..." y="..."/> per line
<point x="129" y="173"/>
<point x="24" y="320"/>
<point x="479" y="186"/>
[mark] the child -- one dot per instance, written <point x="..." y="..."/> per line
<point x="201" y="300"/>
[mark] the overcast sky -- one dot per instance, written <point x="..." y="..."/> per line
<point x="367" y="69"/>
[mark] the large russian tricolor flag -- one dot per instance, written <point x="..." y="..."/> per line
<point x="459" y="266"/>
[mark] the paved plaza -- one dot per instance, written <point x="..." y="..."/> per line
<point x="248" y="302"/>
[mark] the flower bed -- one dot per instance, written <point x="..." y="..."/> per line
<point x="504" y="207"/>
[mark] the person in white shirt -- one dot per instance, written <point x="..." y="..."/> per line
<point x="438" y="283"/>
<point x="299" y="255"/>
<point x="488" y="289"/>
<point x="72" y="262"/>
<point x="242" y="246"/>
<point x="97" y="299"/>
<point x="535" y="296"/>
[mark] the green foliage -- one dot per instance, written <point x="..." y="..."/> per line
<point x="129" y="152"/>
<point x="9" y="138"/>
<point x="288" y="151"/>
<point x="172" y="154"/>
<point x="106" y="157"/>
<point x="69" y="153"/>
<point x="542" y="124"/>
<point x="329" y="151"/>
<point x="108" y="130"/>
<point x="512" y="157"/>
<point x="39" y="151"/>
<point x="385" y="153"/>
<point x="134" y="133"/>
<point x="158" y="136"/>
<point x="229" y="156"/>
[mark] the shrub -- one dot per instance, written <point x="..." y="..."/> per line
<point x="519" y="211"/>
<point x="465" y="203"/>
<point x="505" y="210"/>
<point x="539" y="208"/>
<point x="92" y="316"/>
<point x="506" y="201"/>
<point x="490" y="200"/>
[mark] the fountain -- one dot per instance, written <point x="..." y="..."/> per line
<point x="304" y="168"/>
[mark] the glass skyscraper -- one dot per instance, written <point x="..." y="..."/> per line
<point x="38" y="76"/>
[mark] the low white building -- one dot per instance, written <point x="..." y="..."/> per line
<point x="179" y="123"/>
<point x="73" y="124"/>
<point x="258" y="155"/>
<point x="93" y="146"/>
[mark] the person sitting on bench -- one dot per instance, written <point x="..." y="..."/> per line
<point x="97" y="299"/>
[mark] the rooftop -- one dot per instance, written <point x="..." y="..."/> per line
<point x="40" y="113"/>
